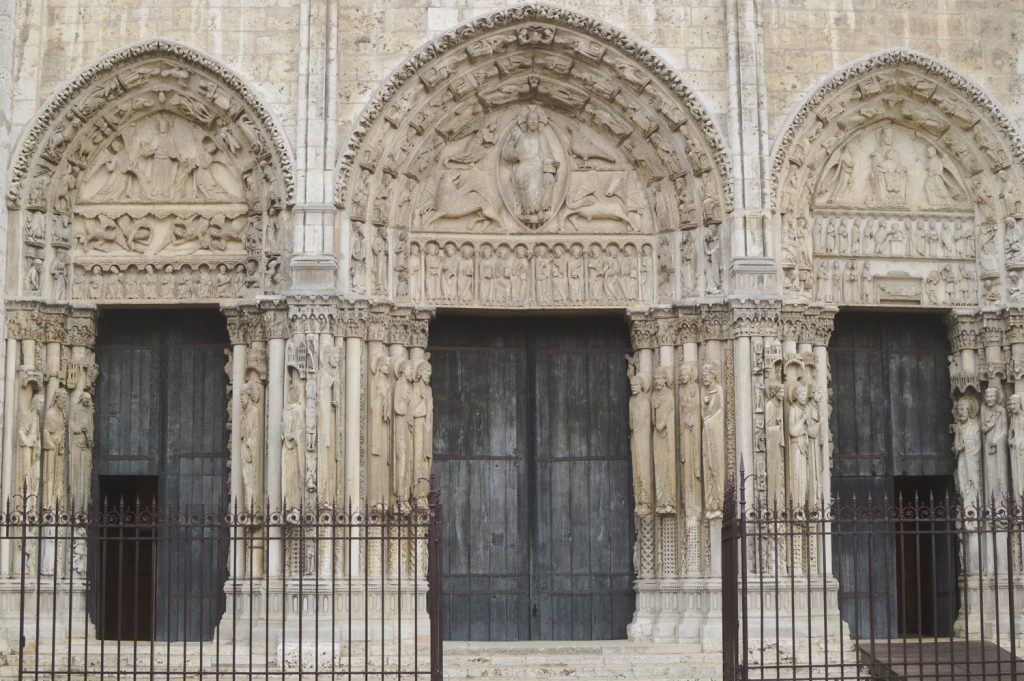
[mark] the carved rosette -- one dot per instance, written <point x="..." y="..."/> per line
<point x="534" y="123"/>
<point x="156" y="175"/>
<point x="899" y="183"/>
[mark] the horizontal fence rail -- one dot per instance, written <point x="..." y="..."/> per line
<point x="919" y="588"/>
<point x="136" y="591"/>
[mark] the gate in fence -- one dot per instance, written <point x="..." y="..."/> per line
<point x="133" y="590"/>
<point x="935" y="592"/>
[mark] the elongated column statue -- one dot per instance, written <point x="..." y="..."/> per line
<point x="774" y="448"/>
<point x="967" y="447"/>
<point x="82" y="430"/>
<point x="712" y="440"/>
<point x="29" y="439"/>
<point x="689" y="440"/>
<point x="640" y="443"/>
<point x="292" y="449"/>
<point x="422" y="432"/>
<point x="797" y="425"/>
<point x="994" y="432"/>
<point x="381" y="405"/>
<point x="53" y="449"/>
<point x="1015" y="406"/>
<point x="402" y="433"/>
<point x="664" y="412"/>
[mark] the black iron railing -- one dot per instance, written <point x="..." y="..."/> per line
<point x="130" y="591"/>
<point x="904" y="588"/>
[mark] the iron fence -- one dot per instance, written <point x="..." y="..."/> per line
<point x="905" y="588"/>
<point x="135" y="591"/>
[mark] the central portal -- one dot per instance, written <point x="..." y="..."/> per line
<point x="531" y="447"/>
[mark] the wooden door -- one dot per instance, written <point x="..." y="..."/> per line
<point x="161" y="413"/>
<point x="532" y="452"/>
<point x="890" y="422"/>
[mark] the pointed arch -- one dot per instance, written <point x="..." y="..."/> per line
<point x="155" y="173"/>
<point x="964" y="89"/>
<point x="431" y="152"/>
<point x="898" y="181"/>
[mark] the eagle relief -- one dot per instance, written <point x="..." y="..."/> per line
<point x="533" y="174"/>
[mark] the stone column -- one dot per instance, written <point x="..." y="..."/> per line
<point x="642" y="332"/>
<point x="277" y="328"/>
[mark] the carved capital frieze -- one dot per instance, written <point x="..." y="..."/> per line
<point x="715" y="321"/>
<point x="993" y="330"/>
<point x="353" y="320"/>
<point x="1014" y="321"/>
<point x="755" y="317"/>
<point x="643" y="331"/>
<point x="275" y="320"/>
<point x="667" y="333"/>
<point x="965" y="331"/>
<point x="312" y="314"/>
<point x="81" y="327"/>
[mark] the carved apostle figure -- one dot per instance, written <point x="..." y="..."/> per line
<point x="542" y="274"/>
<point x="29" y="433"/>
<point x="503" y="275"/>
<point x="82" y="429"/>
<point x="994" y="436"/>
<point x="689" y="440"/>
<point x="1015" y="439"/>
<point x="449" y="272"/>
<point x="712" y="440"/>
<point x="814" y="452"/>
<point x="577" y="274"/>
<point x="534" y="168"/>
<point x="251" y="444"/>
<point x="640" y="443"/>
<point x="799" y="443"/>
<point x="521" y="276"/>
<point x="53" y="449"/>
<point x="488" y="272"/>
<point x="402" y="431"/>
<point x="433" y="267"/>
<point x="380" y="430"/>
<point x="422" y="432"/>
<point x="775" y="453"/>
<point x="688" y="256"/>
<point x="292" y="448"/>
<point x="712" y="259"/>
<point x="465" y="273"/>
<point x="967" y="447"/>
<point x="664" y="413"/>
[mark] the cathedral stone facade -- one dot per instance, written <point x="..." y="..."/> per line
<point x="725" y="180"/>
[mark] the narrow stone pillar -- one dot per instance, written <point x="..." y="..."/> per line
<point x="277" y="327"/>
<point x="10" y="448"/>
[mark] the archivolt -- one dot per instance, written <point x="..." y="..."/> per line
<point x="62" y="116"/>
<point x="961" y="90"/>
<point x="678" y="102"/>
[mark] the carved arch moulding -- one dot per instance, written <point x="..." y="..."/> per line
<point x="898" y="182"/>
<point x="156" y="174"/>
<point x="535" y="158"/>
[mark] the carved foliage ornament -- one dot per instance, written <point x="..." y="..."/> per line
<point x="149" y="159"/>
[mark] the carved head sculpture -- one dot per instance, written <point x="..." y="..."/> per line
<point x="1013" y="404"/>
<point x="991" y="397"/>
<point x="576" y="250"/>
<point x="521" y="251"/>
<point x="408" y="370"/>
<point x="629" y="250"/>
<point x="966" y="408"/>
<point x="60" y="399"/>
<point x="708" y="375"/>
<point x="799" y="393"/>
<point x="449" y="249"/>
<point x="85" y="401"/>
<point x="613" y="250"/>
<point x="504" y="252"/>
<point x="467" y="251"/>
<point x="595" y="250"/>
<point x="558" y="250"/>
<point x="414" y="249"/>
<point x="638" y="384"/>
<point x="541" y="250"/>
<point x="647" y="250"/>
<point x="685" y="373"/>
<point x="431" y="248"/>
<point x="486" y="251"/>
<point x="776" y="391"/>
<point x="37" y="403"/>
<point x="423" y="372"/>
<point x="662" y="379"/>
<point x="817" y="395"/>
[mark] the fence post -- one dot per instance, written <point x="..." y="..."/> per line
<point x="435" y="602"/>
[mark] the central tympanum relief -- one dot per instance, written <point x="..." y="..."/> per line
<point x="154" y="176"/>
<point x="894" y="190"/>
<point x="533" y="166"/>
